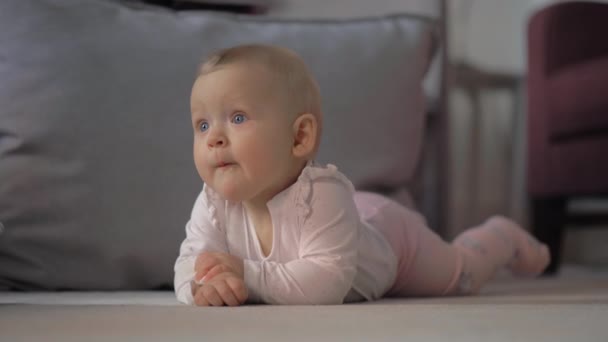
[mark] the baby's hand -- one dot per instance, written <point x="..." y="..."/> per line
<point x="211" y="264"/>
<point x="224" y="289"/>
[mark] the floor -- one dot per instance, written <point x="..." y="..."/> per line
<point x="570" y="307"/>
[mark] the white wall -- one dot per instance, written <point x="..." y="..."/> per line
<point x="491" y="33"/>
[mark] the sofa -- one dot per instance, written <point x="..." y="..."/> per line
<point x="105" y="176"/>
<point x="96" y="173"/>
<point x="567" y="116"/>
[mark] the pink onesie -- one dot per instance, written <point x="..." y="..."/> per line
<point x="333" y="245"/>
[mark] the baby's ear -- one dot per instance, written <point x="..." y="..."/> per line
<point x="305" y="131"/>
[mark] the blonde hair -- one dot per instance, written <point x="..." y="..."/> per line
<point x="301" y="87"/>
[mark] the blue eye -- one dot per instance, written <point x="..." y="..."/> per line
<point x="203" y="126"/>
<point x="239" y="119"/>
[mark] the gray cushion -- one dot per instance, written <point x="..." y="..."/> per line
<point x="96" y="172"/>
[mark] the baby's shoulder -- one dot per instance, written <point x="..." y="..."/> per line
<point x="323" y="186"/>
<point x="323" y="175"/>
<point x="323" y="195"/>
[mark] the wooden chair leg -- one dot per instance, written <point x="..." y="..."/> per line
<point x="548" y="217"/>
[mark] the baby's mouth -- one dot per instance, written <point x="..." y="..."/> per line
<point x="222" y="162"/>
<point x="222" y="165"/>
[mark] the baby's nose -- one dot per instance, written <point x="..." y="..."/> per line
<point x="217" y="140"/>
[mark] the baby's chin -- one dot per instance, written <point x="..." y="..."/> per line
<point x="228" y="193"/>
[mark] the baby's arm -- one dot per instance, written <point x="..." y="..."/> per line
<point x="327" y="263"/>
<point x="210" y="264"/>
<point x="201" y="236"/>
<point x="225" y="289"/>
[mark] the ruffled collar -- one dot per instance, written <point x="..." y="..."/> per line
<point x="299" y="194"/>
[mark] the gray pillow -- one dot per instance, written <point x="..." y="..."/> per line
<point x="96" y="172"/>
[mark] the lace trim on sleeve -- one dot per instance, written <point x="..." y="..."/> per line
<point x="306" y="180"/>
<point x="212" y="198"/>
<point x="302" y="195"/>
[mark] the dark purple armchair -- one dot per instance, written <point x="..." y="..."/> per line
<point x="567" y="114"/>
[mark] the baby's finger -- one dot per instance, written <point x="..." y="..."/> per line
<point x="212" y="296"/>
<point x="201" y="274"/>
<point x="226" y="294"/>
<point x="238" y="288"/>
<point x="200" y="300"/>
<point x="217" y="269"/>
<point x="194" y="287"/>
<point x="204" y="265"/>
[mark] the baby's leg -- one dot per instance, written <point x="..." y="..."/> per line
<point x="497" y="243"/>
<point x="429" y="266"/>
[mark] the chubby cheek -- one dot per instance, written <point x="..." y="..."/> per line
<point x="199" y="163"/>
<point x="257" y="160"/>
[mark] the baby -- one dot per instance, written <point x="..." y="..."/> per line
<point x="272" y="226"/>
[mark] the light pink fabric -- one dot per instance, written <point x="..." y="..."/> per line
<point x="322" y="252"/>
<point x="333" y="245"/>
<point x="426" y="264"/>
<point x="429" y="266"/>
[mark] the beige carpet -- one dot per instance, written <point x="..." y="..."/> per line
<point x="571" y="307"/>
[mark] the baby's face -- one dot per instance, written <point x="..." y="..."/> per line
<point x="243" y="136"/>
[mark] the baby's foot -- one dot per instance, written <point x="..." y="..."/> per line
<point x="530" y="257"/>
